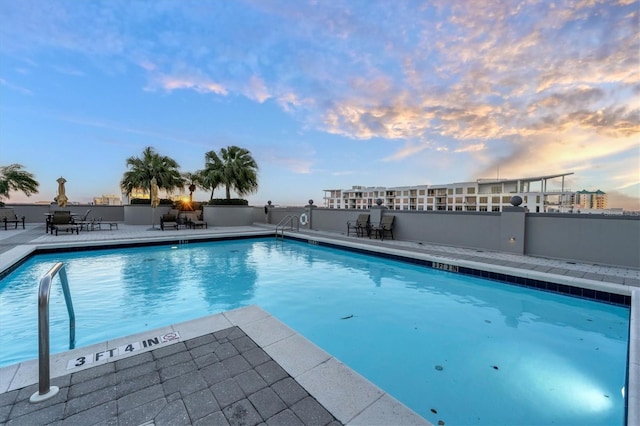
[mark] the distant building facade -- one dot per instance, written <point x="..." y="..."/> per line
<point x="590" y="200"/>
<point x="107" y="200"/>
<point x="488" y="195"/>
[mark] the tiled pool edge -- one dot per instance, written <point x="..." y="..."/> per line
<point x="351" y="398"/>
<point x="493" y="271"/>
<point x="633" y="384"/>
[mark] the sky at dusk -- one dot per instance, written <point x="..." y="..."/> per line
<point x="325" y="94"/>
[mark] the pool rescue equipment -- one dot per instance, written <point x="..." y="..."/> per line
<point x="303" y="219"/>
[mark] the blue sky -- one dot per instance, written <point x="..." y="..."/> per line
<point x="325" y="94"/>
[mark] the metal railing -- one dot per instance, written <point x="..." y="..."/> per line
<point x="45" y="391"/>
<point x="287" y="220"/>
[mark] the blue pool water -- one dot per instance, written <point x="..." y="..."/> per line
<point x="454" y="348"/>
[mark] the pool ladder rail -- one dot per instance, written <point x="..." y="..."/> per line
<point x="45" y="391"/>
<point x="287" y="221"/>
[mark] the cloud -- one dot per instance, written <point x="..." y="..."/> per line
<point x="407" y="151"/>
<point x="257" y="90"/>
<point x="15" y="87"/>
<point x="471" y="148"/>
<point x="199" y="84"/>
<point x="619" y="200"/>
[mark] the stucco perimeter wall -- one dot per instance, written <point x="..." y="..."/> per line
<point x="277" y="214"/>
<point x="141" y="214"/>
<point x="35" y="213"/>
<point x="612" y="240"/>
<point x="475" y="230"/>
<point x="228" y="215"/>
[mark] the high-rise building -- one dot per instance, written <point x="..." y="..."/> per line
<point x="590" y="200"/>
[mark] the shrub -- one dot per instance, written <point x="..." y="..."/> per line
<point x="163" y="201"/>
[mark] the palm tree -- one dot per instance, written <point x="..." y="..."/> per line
<point x="193" y="179"/>
<point x="234" y="168"/>
<point x="150" y="165"/>
<point x="13" y="178"/>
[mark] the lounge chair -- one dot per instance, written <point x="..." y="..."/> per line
<point x="194" y="220"/>
<point x="386" y="225"/>
<point x="361" y="225"/>
<point x="63" y="221"/>
<point x="84" y="221"/>
<point x="9" y="216"/>
<point x="168" y="221"/>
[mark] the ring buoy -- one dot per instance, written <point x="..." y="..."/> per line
<point x="303" y="219"/>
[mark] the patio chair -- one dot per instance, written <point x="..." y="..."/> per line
<point x="9" y="216"/>
<point x="361" y="225"/>
<point x="386" y="225"/>
<point x="63" y="221"/>
<point x="168" y="221"/>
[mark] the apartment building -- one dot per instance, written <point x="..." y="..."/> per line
<point x="590" y="200"/>
<point x="107" y="200"/>
<point x="481" y="195"/>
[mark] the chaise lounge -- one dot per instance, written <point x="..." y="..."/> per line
<point x="63" y="221"/>
<point x="168" y="221"/>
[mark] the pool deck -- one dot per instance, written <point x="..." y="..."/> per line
<point x="245" y="366"/>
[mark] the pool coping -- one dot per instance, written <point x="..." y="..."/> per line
<point x="13" y="257"/>
<point x="350" y="397"/>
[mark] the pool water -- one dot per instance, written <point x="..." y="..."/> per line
<point x="454" y="348"/>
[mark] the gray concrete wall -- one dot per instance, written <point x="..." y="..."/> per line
<point x="277" y="214"/>
<point x="228" y="215"/>
<point x="143" y="214"/>
<point x="613" y="240"/>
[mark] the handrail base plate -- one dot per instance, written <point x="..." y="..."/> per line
<point x="37" y="397"/>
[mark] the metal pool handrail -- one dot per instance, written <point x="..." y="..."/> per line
<point x="288" y="220"/>
<point x="45" y="391"/>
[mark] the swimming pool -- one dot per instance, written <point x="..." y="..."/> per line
<point x="452" y="347"/>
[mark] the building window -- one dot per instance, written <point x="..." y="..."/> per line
<point x="482" y="208"/>
<point x="450" y="200"/>
<point x="458" y="200"/>
<point x="471" y="208"/>
<point x="506" y="200"/>
<point x="484" y="200"/>
<point x="450" y="191"/>
<point x="471" y="190"/>
<point x="429" y="208"/>
<point x="458" y="190"/>
<point x="496" y="190"/>
<point x="495" y="208"/>
<point x="458" y="208"/>
<point x="421" y="192"/>
<point x="495" y="200"/>
<point x="449" y="208"/>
